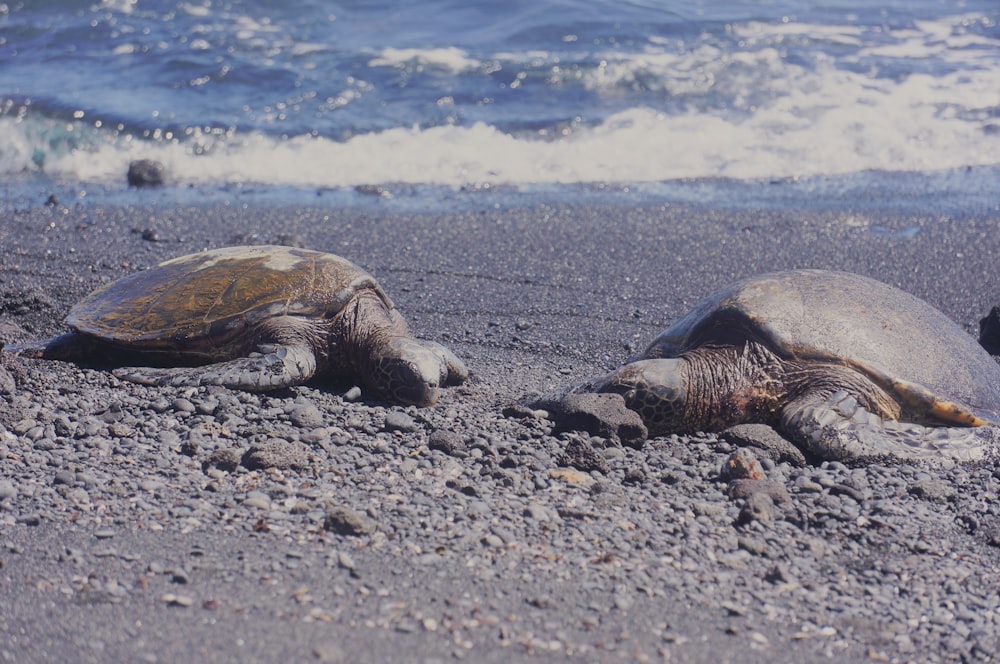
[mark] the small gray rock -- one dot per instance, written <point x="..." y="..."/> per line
<point x="146" y="173"/>
<point x="759" y="507"/>
<point x="581" y="455"/>
<point x="345" y="521"/>
<point x="766" y="440"/>
<point x="399" y="421"/>
<point x="276" y="453"/>
<point x="306" y="416"/>
<point x="744" y="488"/>
<point x="65" y="477"/>
<point x="933" y="490"/>
<point x="7" y="384"/>
<point x="449" y="442"/>
<point x="7" y="490"/>
<point x="227" y="459"/>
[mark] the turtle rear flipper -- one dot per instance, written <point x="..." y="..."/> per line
<point x="835" y="427"/>
<point x="274" y="367"/>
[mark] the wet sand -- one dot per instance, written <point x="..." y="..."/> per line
<point x="119" y="540"/>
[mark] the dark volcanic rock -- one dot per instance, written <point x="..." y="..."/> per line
<point x="581" y="455"/>
<point x="146" y="173"/>
<point x="227" y="459"/>
<point x="276" y="453"/>
<point x="603" y="415"/>
<point x="766" y="440"/>
<point x="449" y="442"/>
<point x="744" y="488"/>
<point x="345" y="521"/>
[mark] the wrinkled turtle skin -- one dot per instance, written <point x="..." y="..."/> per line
<point x="848" y="367"/>
<point x="254" y="318"/>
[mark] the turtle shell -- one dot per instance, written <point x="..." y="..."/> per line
<point x="204" y="302"/>
<point x="844" y="318"/>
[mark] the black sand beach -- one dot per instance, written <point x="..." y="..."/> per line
<point x="134" y="526"/>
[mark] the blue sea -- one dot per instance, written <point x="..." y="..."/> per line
<point x="409" y="97"/>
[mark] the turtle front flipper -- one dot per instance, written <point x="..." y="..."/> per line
<point x="836" y="427"/>
<point x="453" y="370"/>
<point x="274" y="367"/>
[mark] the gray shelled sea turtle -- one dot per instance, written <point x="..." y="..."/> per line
<point x="848" y="367"/>
<point x="254" y="318"/>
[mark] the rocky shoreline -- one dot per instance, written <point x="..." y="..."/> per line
<point x="156" y="524"/>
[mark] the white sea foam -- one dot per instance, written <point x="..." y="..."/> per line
<point x="779" y="117"/>
<point x="451" y="58"/>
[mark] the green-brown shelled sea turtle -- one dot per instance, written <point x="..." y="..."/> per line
<point x="255" y="318"/>
<point x="848" y="367"/>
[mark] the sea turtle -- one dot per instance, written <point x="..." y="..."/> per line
<point x="847" y="367"/>
<point x="254" y="318"/>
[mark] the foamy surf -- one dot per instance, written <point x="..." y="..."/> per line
<point x="758" y="100"/>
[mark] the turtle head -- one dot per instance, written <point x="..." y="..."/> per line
<point x="656" y="389"/>
<point x="409" y="371"/>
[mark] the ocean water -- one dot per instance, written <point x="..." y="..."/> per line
<point x="482" y="93"/>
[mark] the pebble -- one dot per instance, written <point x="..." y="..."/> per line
<point x="65" y="477"/>
<point x="276" y="453"/>
<point x="399" y="421"/>
<point x="346" y="521"/>
<point x="177" y="600"/>
<point x="182" y="405"/>
<point x="257" y="500"/>
<point x="449" y="442"/>
<point x="306" y="416"/>
<point x="581" y="455"/>
<point x="460" y="490"/>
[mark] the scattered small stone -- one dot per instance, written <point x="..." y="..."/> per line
<point x="353" y="394"/>
<point x="742" y="464"/>
<point x="635" y="476"/>
<point x="779" y="573"/>
<point x="571" y="476"/>
<point x="104" y="533"/>
<point x="329" y="653"/>
<point x="226" y="459"/>
<point x="744" y="488"/>
<point x="7" y="490"/>
<point x="182" y="405"/>
<point x="933" y="490"/>
<point x="258" y="500"/>
<point x="152" y="486"/>
<point x="276" y="453"/>
<point x="177" y="600"/>
<point x="146" y="173"/>
<point x="7" y="382"/>
<point x="67" y="477"/>
<point x="345" y="521"/>
<point x="449" y="442"/>
<point x="752" y="544"/>
<point x="758" y="507"/>
<point x="396" y="420"/>
<point x="306" y="416"/>
<point x="766" y="440"/>
<point x="581" y="455"/>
